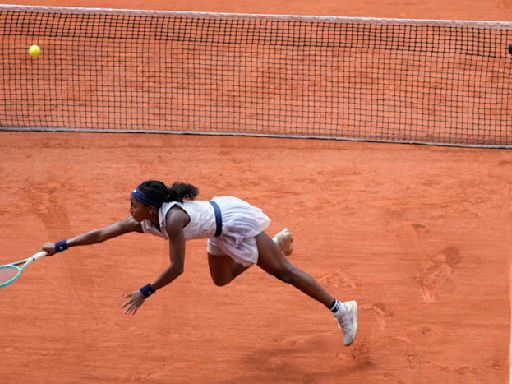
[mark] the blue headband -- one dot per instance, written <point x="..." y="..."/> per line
<point x="142" y="198"/>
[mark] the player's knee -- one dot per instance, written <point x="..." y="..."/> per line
<point x="220" y="281"/>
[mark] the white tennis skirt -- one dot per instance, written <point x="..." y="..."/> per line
<point x="241" y="223"/>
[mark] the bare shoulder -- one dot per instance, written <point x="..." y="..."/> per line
<point x="176" y="219"/>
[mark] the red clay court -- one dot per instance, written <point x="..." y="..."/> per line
<point x="420" y="235"/>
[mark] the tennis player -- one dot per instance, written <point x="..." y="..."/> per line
<point x="236" y="240"/>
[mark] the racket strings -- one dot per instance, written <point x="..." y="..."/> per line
<point x="7" y="274"/>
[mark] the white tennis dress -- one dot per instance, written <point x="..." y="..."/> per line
<point x="241" y="223"/>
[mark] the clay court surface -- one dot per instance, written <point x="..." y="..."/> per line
<point x="419" y="235"/>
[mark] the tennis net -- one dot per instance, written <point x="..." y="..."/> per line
<point x="414" y="81"/>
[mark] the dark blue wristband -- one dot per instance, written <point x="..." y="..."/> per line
<point x="61" y="246"/>
<point x="147" y="290"/>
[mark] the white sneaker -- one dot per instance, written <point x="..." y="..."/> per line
<point x="347" y="321"/>
<point x="284" y="241"/>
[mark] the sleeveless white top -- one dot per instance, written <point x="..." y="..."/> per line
<point x="202" y="223"/>
<point x="241" y="223"/>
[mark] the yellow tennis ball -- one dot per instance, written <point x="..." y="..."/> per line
<point x="34" y="50"/>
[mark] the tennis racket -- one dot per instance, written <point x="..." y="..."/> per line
<point x="9" y="273"/>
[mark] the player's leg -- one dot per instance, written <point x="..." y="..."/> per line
<point x="273" y="262"/>
<point x="223" y="269"/>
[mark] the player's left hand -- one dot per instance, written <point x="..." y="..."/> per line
<point x="49" y="248"/>
<point x="133" y="304"/>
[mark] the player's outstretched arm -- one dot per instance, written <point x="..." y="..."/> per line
<point x="176" y="220"/>
<point x="95" y="236"/>
<point x="176" y="256"/>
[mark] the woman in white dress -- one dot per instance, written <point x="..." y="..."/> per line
<point x="236" y="240"/>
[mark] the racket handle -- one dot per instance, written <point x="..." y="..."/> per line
<point x="38" y="255"/>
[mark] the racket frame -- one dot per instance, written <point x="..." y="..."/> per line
<point x="24" y="264"/>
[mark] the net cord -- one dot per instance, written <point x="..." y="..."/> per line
<point x="238" y="134"/>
